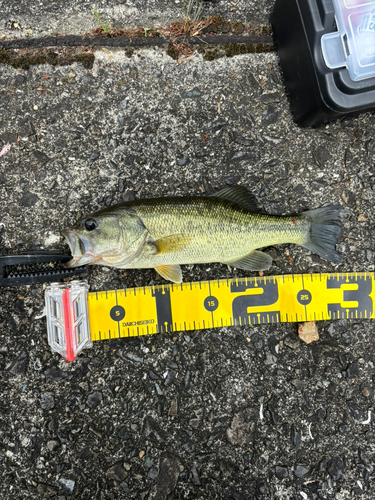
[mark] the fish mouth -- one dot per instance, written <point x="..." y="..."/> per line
<point x="79" y="247"/>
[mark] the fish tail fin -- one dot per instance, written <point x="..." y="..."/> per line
<point x="324" y="229"/>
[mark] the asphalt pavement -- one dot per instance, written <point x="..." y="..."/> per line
<point x="228" y="413"/>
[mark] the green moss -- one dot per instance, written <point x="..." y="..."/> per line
<point x="24" y="61"/>
<point x="86" y="59"/>
<point x="238" y="28"/>
<point x="121" y="83"/>
<point x="213" y="52"/>
<point x="3" y="56"/>
<point x="172" y="52"/>
<point x="155" y="32"/>
<point x="265" y="30"/>
<point x="129" y="52"/>
<point x="235" y="49"/>
<point x="217" y="24"/>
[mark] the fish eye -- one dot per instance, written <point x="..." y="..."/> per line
<point x="91" y="224"/>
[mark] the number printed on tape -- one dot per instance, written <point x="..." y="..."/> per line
<point x="217" y="303"/>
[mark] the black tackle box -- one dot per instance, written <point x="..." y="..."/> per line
<point x="327" y="55"/>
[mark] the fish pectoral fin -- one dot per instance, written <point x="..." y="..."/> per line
<point x="238" y="195"/>
<point x="254" y="261"/>
<point x="172" y="273"/>
<point x="170" y="244"/>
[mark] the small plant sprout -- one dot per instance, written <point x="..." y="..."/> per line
<point x="192" y="10"/>
<point x="105" y="25"/>
<point x="192" y="24"/>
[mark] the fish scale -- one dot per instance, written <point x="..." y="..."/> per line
<point x="218" y="231"/>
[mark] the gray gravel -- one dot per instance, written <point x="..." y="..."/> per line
<point x="233" y="413"/>
<point x="35" y="18"/>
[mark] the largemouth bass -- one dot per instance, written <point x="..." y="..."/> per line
<point x="164" y="233"/>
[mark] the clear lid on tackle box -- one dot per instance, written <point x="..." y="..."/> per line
<point x="353" y="45"/>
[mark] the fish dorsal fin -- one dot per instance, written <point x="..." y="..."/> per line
<point x="238" y="195"/>
<point x="254" y="261"/>
<point x="172" y="273"/>
<point x="170" y="244"/>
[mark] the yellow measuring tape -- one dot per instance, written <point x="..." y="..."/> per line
<point x="227" y="302"/>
